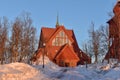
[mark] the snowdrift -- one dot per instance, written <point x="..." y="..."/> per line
<point x="19" y="71"/>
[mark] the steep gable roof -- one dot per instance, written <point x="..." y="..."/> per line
<point x="47" y="32"/>
<point x="58" y="30"/>
<point x="50" y="33"/>
<point x="66" y="53"/>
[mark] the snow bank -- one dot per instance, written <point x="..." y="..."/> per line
<point x="54" y="72"/>
<point x="50" y="70"/>
<point x="47" y="63"/>
<point x="113" y="73"/>
<point x="100" y="71"/>
<point x="19" y="71"/>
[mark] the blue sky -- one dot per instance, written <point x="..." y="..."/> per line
<point x="73" y="14"/>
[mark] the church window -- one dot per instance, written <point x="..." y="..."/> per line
<point x="61" y="34"/>
<point x="60" y="39"/>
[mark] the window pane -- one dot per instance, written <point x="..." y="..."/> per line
<point x="61" y="39"/>
<point x="61" y="34"/>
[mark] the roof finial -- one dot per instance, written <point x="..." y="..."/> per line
<point x="57" y="23"/>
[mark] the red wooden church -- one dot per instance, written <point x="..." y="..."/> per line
<point x="114" y="34"/>
<point x="61" y="47"/>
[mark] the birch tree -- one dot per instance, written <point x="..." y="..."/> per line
<point x="3" y="38"/>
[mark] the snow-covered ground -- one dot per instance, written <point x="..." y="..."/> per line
<point x="21" y="71"/>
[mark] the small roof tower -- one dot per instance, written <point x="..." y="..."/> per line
<point x="57" y="22"/>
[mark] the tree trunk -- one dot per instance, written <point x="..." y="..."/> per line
<point x="96" y="59"/>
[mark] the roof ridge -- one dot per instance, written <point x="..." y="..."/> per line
<point x="53" y="33"/>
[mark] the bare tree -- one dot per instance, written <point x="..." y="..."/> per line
<point x="28" y="41"/>
<point x="15" y="40"/>
<point x="87" y="48"/>
<point x="95" y="41"/>
<point x="3" y="38"/>
<point x="104" y="41"/>
<point x="23" y="38"/>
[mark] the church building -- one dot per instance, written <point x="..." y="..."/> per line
<point x="60" y="46"/>
<point x="114" y="34"/>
